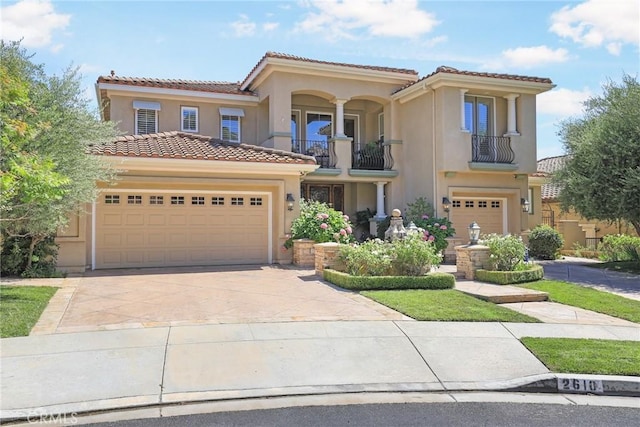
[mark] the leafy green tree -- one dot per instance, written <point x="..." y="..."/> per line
<point x="601" y="177"/>
<point x="46" y="172"/>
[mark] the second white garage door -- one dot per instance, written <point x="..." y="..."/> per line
<point x="488" y="213"/>
<point x="181" y="229"/>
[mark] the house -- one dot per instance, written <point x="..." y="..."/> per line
<point x="588" y="232"/>
<point x="209" y="170"/>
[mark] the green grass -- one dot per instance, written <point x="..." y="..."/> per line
<point x="589" y="299"/>
<point x="623" y="266"/>
<point x="21" y="307"/>
<point x="587" y="356"/>
<point x="445" y="305"/>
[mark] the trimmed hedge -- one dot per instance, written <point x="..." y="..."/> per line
<point x="362" y="283"/>
<point x="510" y="277"/>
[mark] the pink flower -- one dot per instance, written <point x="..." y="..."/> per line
<point x="325" y="216"/>
<point x="324" y="226"/>
<point x="443" y="227"/>
<point x="345" y="217"/>
<point x="426" y="232"/>
<point x="431" y="238"/>
<point x="349" y="230"/>
<point x="343" y="232"/>
<point x="425" y="216"/>
<point x="319" y="216"/>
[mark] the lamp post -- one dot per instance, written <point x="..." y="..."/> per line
<point x="474" y="233"/>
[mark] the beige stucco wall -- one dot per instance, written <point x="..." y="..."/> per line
<point x="535" y="217"/>
<point x="169" y="118"/>
<point x="72" y="241"/>
<point x="601" y="227"/>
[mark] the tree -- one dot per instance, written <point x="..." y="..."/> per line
<point x="601" y="177"/>
<point x="46" y="171"/>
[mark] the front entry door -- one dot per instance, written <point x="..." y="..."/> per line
<point x="331" y="194"/>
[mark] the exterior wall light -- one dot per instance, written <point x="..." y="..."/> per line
<point x="290" y="201"/>
<point x="446" y="204"/>
<point x="524" y="203"/>
<point x="474" y="233"/>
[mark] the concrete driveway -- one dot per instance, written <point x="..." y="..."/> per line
<point x="118" y="299"/>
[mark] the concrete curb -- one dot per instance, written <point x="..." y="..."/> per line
<point x="552" y="383"/>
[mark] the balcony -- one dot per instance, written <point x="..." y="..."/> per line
<point x="371" y="156"/>
<point x="323" y="151"/>
<point x="491" y="149"/>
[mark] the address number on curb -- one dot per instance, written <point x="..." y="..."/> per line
<point x="577" y="384"/>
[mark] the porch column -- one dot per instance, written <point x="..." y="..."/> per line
<point x="339" y="117"/>
<point x="511" y="114"/>
<point x="462" y="117"/>
<point x="380" y="214"/>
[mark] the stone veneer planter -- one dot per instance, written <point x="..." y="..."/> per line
<point x="303" y="253"/>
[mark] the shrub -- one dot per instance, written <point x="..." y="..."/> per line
<point x="411" y="256"/>
<point x="545" y="242"/>
<point x="620" y="247"/>
<point x="533" y="273"/>
<point x="505" y="252"/>
<point x="371" y="258"/>
<point x="15" y="253"/>
<point x="362" y="283"/>
<point x="320" y="223"/>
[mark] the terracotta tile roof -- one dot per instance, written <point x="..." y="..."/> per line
<point x="182" y="145"/>
<point x="450" y="70"/>
<point x="194" y="85"/>
<point x="412" y="73"/>
<point x="547" y="167"/>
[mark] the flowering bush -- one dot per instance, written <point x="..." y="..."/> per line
<point x="506" y="253"/>
<point x="411" y="256"/>
<point x="321" y="223"/>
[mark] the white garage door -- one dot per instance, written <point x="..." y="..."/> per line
<point x="180" y="229"/>
<point x="488" y="213"/>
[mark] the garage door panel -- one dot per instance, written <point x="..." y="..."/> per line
<point x="152" y="235"/>
<point x="488" y="213"/>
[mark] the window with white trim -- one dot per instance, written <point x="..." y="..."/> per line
<point x="230" y="124"/>
<point x="189" y="119"/>
<point x="478" y="115"/>
<point x="146" y="121"/>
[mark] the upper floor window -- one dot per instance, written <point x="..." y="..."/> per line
<point x="189" y="119"/>
<point x="230" y="124"/>
<point x="478" y="115"/>
<point x="146" y="116"/>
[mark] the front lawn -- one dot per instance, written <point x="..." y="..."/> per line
<point x="445" y="305"/>
<point x="21" y="307"/>
<point x="587" y="356"/>
<point x="588" y="298"/>
<point x="623" y="266"/>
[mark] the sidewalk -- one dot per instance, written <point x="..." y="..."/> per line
<point x="165" y="366"/>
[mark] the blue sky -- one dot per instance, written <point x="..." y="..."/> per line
<point x="578" y="44"/>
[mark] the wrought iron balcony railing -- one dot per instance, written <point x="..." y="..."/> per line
<point x="491" y="149"/>
<point x="323" y="151"/>
<point x="371" y="156"/>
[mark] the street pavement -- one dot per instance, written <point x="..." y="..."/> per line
<point x="150" y="366"/>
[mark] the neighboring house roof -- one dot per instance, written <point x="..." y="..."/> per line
<point x="546" y="167"/>
<point x="195" y="85"/>
<point x="182" y="145"/>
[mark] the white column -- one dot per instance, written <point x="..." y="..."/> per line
<point x="462" y="118"/>
<point x="380" y="200"/>
<point x="340" y="117"/>
<point x="511" y="114"/>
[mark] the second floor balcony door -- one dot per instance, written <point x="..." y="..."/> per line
<point x="478" y="115"/>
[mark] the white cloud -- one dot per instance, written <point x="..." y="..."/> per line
<point x="270" y="26"/>
<point x="528" y="57"/>
<point x="562" y="102"/>
<point x="348" y="19"/>
<point x="243" y="27"/>
<point x="594" y="23"/>
<point x="33" y="21"/>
